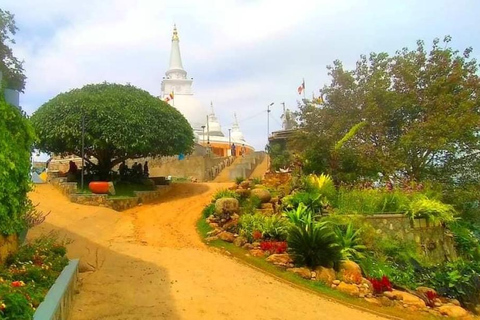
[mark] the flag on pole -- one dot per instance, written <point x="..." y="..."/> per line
<point x="302" y="87"/>
<point x="171" y="95"/>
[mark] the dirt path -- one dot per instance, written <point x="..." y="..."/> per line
<point x="260" y="169"/>
<point x="151" y="264"/>
<point x="224" y="175"/>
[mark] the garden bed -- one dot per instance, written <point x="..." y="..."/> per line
<point x="37" y="270"/>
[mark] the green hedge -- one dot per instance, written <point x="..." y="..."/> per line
<point x="16" y="139"/>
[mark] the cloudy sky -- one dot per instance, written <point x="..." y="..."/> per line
<point x="243" y="55"/>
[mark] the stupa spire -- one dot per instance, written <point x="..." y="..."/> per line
<point x="175" y="69"/>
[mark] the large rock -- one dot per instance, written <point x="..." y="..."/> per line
<point x="244" y="193"/>
<point x="350" y="289"/>
<point x="350" y="272"/>
<point x="226" y="206"/>
<point x="302" y="272"/>
<point x="325" y="275"/>
<point x="424" y="290"/>
<point x="263" y="194"/>
<point x="406" y="298"/>
<point x="452" y="311"/>
<point x="280" y="259"/>
<point x="240" y="241"/>
<point x="246" y="184"/>
<point x="226" y="236"/>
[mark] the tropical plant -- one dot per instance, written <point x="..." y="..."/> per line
<point x="314" y="245"/>
<point x="121" y="122"/>
<point x="312" y="200"/>
<point x="239" y="179"/>
<point x="273" y="227"/>
<point x="299" y="216"/>
<point x="349" y="241"/>
<point x="434" y="210"/>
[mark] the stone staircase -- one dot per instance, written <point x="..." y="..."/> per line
<point x="245" y="166"/>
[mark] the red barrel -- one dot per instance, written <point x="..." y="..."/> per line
<point x="98" y="187"/>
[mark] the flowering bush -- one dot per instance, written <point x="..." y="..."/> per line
<point x="274" y="246"/>
<point x="27" y="276"/>
<point x="381" y="285"/>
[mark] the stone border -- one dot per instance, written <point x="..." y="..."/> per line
<point x="59" y="298"/>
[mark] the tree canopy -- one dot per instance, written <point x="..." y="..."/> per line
<point x="415" y="114"/>
<point x="10" y="66"/>
<point x="16" y="140"/>
<point x="121" y="122"/>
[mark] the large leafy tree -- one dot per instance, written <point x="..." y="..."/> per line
<point x="419" y="112"/>
<point x="10" y="66"/>
<point x="121" y="122"/>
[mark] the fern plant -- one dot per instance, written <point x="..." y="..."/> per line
<point x="314" y="245"/>
<point x="300" y="216"/>
<point x="350" y="242"/>
<point x="434" y="210"/>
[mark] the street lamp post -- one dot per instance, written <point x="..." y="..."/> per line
<point x="203" y="134"/>
<point x="83" y="150"/>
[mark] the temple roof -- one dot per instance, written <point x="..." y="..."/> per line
<point x="236" y="133"/>
<point x="214" y="127"/>
<point x="176" y="66"/>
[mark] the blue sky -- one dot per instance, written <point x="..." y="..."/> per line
<point x="242" y="54"/>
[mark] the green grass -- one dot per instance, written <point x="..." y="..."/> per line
<point x="312" y="286"/>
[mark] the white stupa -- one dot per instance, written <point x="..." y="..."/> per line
<point x="177" y="83"/>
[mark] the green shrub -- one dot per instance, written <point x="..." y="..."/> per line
<point x="16" y="139"/>
<point x="256" y="180"/>
<point x="323" y="185"/>
<point x="249" y="205"/>
<point x="371" y="201"/>
<point x="300" y="216"/>
<point x="434" y="210"/>
<point x="225" y="193"/>
<point x="466" y="241"/>
<point x="208" y="210"/>
<point x="314" y="245"/>
<point x="312" y="200"/>
<point x="273" y="227"/>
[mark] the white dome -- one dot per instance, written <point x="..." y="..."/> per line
<point x="192" y="110"/>
<point x="237" y="136"/>
<point x="214" y="126"/>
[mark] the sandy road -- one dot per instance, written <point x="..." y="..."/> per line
<point x="151" y="264"/>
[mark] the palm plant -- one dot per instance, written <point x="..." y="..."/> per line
<point x="350" y="242"/>
<point x="314" y="244"/>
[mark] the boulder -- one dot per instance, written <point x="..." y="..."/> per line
<point x="231" y="225"/>
<point x="226" y="236"/>
<point x="349" y="289"/>
<point x="246" y="184"/>
<point x="424" y="290"/>
<point x="226" y="206"/>
<point x="452" y="311"/>
<point x="280" y="259"/>
<point x="212" y="238"/>
<point x="325" y="275"/>
<point x="248" y="246"/>
<point x="239" y="241"/>
<point x="263" y="194"/>
<point x="366" y="286"/>
<point x="213" y="225"/>
<point x="350" y="272"/>
<point x="302" y="272"/>
<point x="406" y="298"/>
<point x="257" y="253"/>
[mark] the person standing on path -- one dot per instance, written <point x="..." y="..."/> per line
<point x="233" y="149"/>
<point x="243" y="150"/>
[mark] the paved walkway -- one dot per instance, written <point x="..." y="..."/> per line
<point x="150" y="264"/>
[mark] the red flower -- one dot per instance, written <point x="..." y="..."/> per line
<point x="18" y="284"/>
<point x="274" y="246"/>
<point x="256" y="235"/>
<point x="381" y="285"/>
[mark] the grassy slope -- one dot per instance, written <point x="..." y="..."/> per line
<point x="311" y="286"/>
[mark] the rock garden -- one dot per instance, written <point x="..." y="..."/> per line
<point x="349" y="238"/>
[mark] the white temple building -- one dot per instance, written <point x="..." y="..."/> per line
<point x="177" y="91"/>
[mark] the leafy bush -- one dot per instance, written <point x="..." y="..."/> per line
<point x="314" y="245"/>
<point x="310" y="199"/>
<point x="434" y="210"/>
<point x="256" y="180"/>
<point x="208" y="210"/>
<point x="273" y="227"/>
<point x="466" y="241"/>
<point x="225" y="193"/>
<point x="16" y="139"/>
<point x="350" y="242"/>
<point x="300" y="216"/>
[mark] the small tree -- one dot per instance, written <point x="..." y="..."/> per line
<point x="121" y="122"/>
